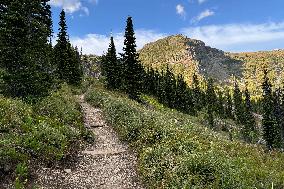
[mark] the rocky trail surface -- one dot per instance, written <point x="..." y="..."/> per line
<point x="107" y="164"/>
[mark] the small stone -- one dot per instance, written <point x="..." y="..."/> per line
<point x="67" y="170"/>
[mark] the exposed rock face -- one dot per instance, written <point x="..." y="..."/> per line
<point x="213" y="62"/>
<point x="187" y="56"/>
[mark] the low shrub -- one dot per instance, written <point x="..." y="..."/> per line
<point x="46" y="131"/>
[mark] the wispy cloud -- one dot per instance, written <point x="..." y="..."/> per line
<point x="240" y="37"/>
<point x="203" y="15"/>
<point x="181" y="11"/>
<point x="98" y="44"/>
<point x="201" y="1"/>
<point x="71" y="6"/>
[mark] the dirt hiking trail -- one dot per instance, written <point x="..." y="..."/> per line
<point x="107" y="164"/>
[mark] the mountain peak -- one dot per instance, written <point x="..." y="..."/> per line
<point x="187" y="56"/>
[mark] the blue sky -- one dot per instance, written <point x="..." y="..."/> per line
<point x="230" y="25"/>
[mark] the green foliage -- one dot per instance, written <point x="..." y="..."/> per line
<point x="170" y="91"/>
<point x="175" y="151"/>
<point x="229" y="105"/>
<point x="253" y="64"/>
<point x="25" y="52"/>
<point x="46" y="131"/>
<point x="238" y="104"/>
<point x="67" y="58"/>
<point x="22" y="176"/>
<point x="61" y="106"/>
<point x="269" y="122"/>
<point x="211" y="102"/>
<point x="132" y="72"/>
<point x="198" y="94"/>
<point x="249" y="124"/>
<point x="111" y="67"/>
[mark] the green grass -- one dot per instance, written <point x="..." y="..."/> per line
<point x="176" y="151"/>
<point x="44" y="132"/>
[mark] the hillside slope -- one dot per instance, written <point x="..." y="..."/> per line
<point x="176" y="150"/>
<point x="255" y="62"/>
<point x="187" y="56"/>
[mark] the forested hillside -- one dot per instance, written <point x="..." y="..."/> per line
<point x="255" y="62"/>
<point x="188" y="56"/>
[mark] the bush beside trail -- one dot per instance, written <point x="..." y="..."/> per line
<point x="176" y="151"/>
<point x="44" y="132"/>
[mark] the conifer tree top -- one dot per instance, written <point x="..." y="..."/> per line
<point x="111" y="49"/>
<point x="130" y="40"/>
<point x="62" y="35"/>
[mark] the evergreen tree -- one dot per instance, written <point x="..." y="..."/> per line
<point x="69" y="68"/>
<point x="150" y="83"/>
<point x="61" y="49"/>
<point x="268" y="122"/>
<point x="197" y="93"/>
<point x="75" y="66"/>
<point x="180" y="94"/>
<point x="25" y="28"/>
<point x="183" y="97"/>
<point x="132" y="70"/>
<point x="249" y="124"/>
<point x="278" y="113"/>
<point x="229" y="105"/>
<point x="161" y="94"/>
<point x="169" y="88"/>
<point x="111" y="67"/>
<point x="211" y="102"/>
<point x="220" y="104"/>
<point x="238" y="104"/>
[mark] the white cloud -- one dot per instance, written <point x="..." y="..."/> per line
<point x="201" y="1"/>
<point x="203" y="15"/>
<point x="70" y="6"/>
<point x="180" y="10"/>
<point x="240" y="37"/>
<point x="98" y="44"/>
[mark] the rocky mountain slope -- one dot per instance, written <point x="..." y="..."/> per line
<point x="186" y="56"/>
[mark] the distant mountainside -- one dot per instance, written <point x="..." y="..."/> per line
<point x="186" y="56"/>
<point x="255" y="62"/>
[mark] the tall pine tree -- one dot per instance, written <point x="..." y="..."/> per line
<point x="69" y="68"/>
<point x="211" y="101"/>
<point x="249" y="121"/>
<point x="278" y="113"/>
<point x="132" y="70"/>
<point x="238" y="104"/>
<point x="197" y="93"/>
<point x="111" y="67"/>
<point x="268" y="122"/>
<point x="229" y="105"/>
